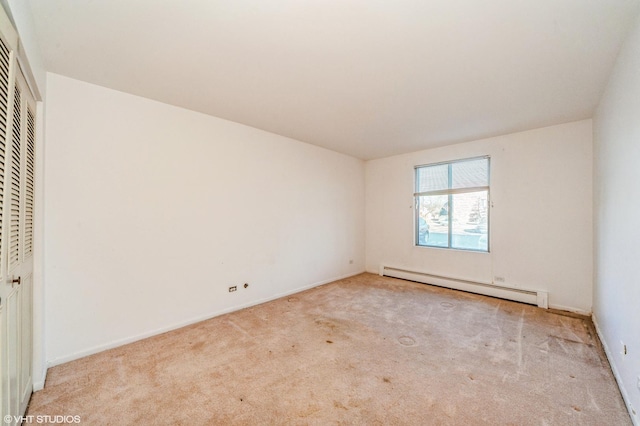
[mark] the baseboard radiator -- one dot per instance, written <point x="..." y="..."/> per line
<point x="532" y="297"/>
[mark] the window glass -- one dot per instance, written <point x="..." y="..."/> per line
<point x="433" y="226"/>
<point x="452" y="205"/>
<point x="432" y="178"/>
<point x="469" y="174"/>
<point x="469" y="228"/>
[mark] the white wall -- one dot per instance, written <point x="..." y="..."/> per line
<point x="153" y="211"/>
<point x="541" y="222"/>
<point x="617" y="216"/>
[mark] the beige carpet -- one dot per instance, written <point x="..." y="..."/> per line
<point x="365" y="350"/>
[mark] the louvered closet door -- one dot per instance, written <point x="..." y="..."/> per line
<point x="17" y="168"/>
<point x="18" y="216"/>
<point x="4" y="289"/>
<point x="8" y="294"/>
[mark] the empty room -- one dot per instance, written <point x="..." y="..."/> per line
<point x="319" y="212"/>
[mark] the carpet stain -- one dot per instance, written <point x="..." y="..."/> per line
<point x="326" y="324"/>
<point x="407" y="340"/>
<point x="338" y="404"/>
<point x="197" y="346"/>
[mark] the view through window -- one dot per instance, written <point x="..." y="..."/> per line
<point x="452" y="204"/>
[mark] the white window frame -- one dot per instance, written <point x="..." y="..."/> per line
<point x="450" y="192"/>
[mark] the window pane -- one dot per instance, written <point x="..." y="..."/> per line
<point x="432" y="178"/>
<point x="469" y="174"/>
<point x="469" y="226"/>
<point x="432" y="225"/>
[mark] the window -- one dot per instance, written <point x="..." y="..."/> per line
<point x="452" y="205"/>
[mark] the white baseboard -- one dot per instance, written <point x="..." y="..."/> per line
<point x="125" y="341"/>
<point x="570" y="309"/>
<point x="623" y="391"/>
<point x="39" y="385"/>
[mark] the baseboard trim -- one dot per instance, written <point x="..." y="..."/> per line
<point x="39" y="385"/>
<point x="570" y="309"/>
<point x="100" y="348"/>
<point x="616" y="375"/>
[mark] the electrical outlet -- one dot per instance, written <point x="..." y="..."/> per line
<point x="234" y="288"/>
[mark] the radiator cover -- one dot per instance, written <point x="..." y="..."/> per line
<point x="533" y="297"/>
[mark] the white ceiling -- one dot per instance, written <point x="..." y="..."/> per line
<point x="369" y="78"/>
